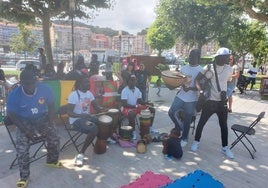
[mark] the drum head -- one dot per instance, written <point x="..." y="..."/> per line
<point x="105" y="119"/>
<point x="113" y="110"/>
<point x="126" y="127"/>
<point x="145" y="113"/>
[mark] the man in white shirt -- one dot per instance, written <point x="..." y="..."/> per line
<point x="186" y="99"/>
<point x="217" y="102"/>
<point x="132" y="103"/>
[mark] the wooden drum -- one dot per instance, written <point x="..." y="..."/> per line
<point x="103" y="134"/>
<point x="125" y="132"/>
<point x="114" y="113"/>
<point x="145" y="122"/>
<point x="173" y="79"/>
<point x="104" y="127"/>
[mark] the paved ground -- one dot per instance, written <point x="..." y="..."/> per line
<point x="120" y="166"/>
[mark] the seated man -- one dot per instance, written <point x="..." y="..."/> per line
<point x="31" y="108"/>
<point x="79" y="102"/>
<point x="133" y="104"/>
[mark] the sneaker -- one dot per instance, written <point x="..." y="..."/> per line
<point x="111" y="141"/>
<point x="79" y="160"/>
<point x="225" y="150"/>
<point x="153" y="131"/>
<point x="134" y="135"/>
<point x="183" y="143"/>
<point x="168" y="157"/>
<point x="195" y="146"/>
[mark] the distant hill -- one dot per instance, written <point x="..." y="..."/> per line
<point x="95" y="29"/>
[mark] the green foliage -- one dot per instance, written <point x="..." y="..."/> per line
<point x="161" y="67"/>
<point x="257" y="9"/>
<point x="247" y="37"/>
<point x="195" y="24"/>
<point x="24" y="41"/>
<point x="159" y="36"/>
<point x="27" y="11"/>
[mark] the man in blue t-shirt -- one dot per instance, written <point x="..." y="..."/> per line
<point x="31" y="108"/>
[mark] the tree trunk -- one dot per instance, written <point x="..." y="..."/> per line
<point x="47" y="41"/>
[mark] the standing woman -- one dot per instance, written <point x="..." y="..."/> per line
<point x="232" y="83"/>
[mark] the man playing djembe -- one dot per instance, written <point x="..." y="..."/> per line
<point x="132" y="104"/>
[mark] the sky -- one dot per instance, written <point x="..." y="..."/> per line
<point x="128" y="15"/>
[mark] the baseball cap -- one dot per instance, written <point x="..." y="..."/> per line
<point x="223" y="51"/>
<point x="27" y="77"/>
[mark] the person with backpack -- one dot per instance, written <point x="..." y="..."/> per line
<point x="217" y="103"/>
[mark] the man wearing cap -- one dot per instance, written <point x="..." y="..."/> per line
<point x="31" y="108"/>
<point x="217" y="102"/>
<point x="132" y="103"/>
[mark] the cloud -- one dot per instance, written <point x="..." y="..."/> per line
<point x="128" y="15"/>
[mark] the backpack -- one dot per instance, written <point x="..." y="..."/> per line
<point x="205" y="84"/>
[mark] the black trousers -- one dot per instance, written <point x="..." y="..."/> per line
<point x="209" y="109"/>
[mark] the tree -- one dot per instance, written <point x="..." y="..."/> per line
<point x="25" y="41"/>
<point x="27" y="11"/>
<point x="246" y="37"/>
<point x="254" y="8"/>
<point x="159" y="37"/>
<point x="195" y="24"/>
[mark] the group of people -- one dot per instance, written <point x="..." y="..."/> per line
<point x="220" y="75"/>
<point x="31" y="107"/>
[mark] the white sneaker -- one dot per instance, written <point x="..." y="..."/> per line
<point x="195" y="146"/>
<point x="79" y="160"/>
<point x="225" y="150"/>
<point x="183" y="143"/>
<point x="111" y="141"/>
<point x="134" y="135"/>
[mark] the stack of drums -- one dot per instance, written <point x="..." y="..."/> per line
<point x="114" y="113"/>
<point x="103" y="134"/>
<point x="145" y="122"/>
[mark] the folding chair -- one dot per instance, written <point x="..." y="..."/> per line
<point x="40" y="144"/>
<point x="244" y="131"/>
<point x="73" y="134"/>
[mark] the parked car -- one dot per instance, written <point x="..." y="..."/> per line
<point x="21" y="64"/>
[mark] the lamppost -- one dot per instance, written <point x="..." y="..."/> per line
<point x="72" y="12"/>
<point x="120" y="41"/>
<point x="56" y="46"/>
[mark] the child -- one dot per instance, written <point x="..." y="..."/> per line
<point x="158" y="85"/>
<point x="174" y="148"/>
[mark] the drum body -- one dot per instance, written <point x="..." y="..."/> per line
<point x="125" y="132"/>
<point x="114" y="113"/>
<point x="104" y="127"/>
<point x="173" y="79"/>
<point x="103" y="134"/>
<point x="100" y="146"/>
<point x="145" y="122"/>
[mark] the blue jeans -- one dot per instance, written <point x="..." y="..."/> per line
<point x="189" y="112"/>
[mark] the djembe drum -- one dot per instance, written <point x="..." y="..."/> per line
<point x="173" y="79"/>
<point x="114" y="113"/>
<point x="125" y="132"/>
<point x="103" y="134"/>
<point x="145" y="122"/>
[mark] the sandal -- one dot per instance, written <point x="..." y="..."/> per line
<point x="58" y="164"/>
<point x="22" y="183"/>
